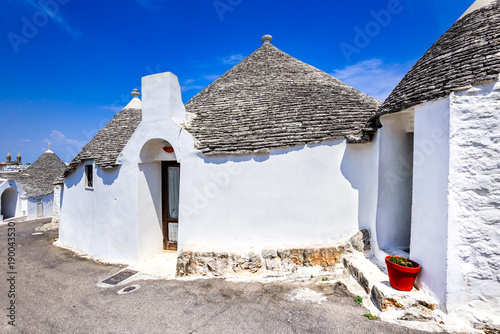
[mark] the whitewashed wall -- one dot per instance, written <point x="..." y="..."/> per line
<point x="47" y="205"/>
<point x="429" y="227"/>
<point x="101" y="221"/>
<point x="300" y="196"/>
<point x="474" y="195"/>
<point x="455" y="225"/>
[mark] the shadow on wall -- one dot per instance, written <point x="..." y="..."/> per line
<point x="9" y="203"/>
<point x="109" y="176"/>
<point x="219" y="160"/>
<point x="359" y="167"/>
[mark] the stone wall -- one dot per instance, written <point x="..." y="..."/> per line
<point x="474" y="213"/>
<point x="215" y="263"/>
<point x="222" y="263"/>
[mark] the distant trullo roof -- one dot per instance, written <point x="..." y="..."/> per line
<point x="38" y="179"/>
<point x="107" y="144"/>
<point x="468" y="53"/>
<point x="272" y="100"/>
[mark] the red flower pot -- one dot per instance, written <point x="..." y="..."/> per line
<point x="400" y="277"/>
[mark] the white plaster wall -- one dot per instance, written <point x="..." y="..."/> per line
<point x="395" y="182"/>
<point x="299" y="196"/>
<point x="429" y="228"/>
<point x="101" y="221"/>
<point x="474" y="214"/>
<point x="47" y="203"/>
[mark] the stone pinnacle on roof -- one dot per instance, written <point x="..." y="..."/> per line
<point x="478" y="4"/>
<point x="135" y="103"/>
<point x="267" y="39"/>
<point x="135" y="93"/>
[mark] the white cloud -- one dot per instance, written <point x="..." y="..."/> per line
<point x="233" y="60"/>
<point x="373" y="76"/>
<point x="57" y="138"/>
<point x="211" y="77"/>
<point x="113" y="108"/>
<point x="53" y="12"/>
<point x="191" y="87"/>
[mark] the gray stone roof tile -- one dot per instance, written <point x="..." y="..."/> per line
<point x="269" y="100"/>
<point x="272" y="100"/>
<point x="108" y="143"/>
<point x="38" y="179"/>
<point x="468" y="53"/>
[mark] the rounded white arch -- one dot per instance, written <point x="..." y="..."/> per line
<point x="9" y="203"/>
<point x="157" y="149"/>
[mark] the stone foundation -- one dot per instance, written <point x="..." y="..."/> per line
<point x="193" y="260"/>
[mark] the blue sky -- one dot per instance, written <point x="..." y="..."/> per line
<point x="68" y="65"/>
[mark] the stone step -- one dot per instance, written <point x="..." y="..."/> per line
<point x="415" y="304"/>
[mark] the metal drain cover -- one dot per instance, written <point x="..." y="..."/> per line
<point x="128" y="289"/>
<point x="120" y="277"/>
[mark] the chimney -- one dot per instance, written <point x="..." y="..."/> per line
<point x="161" y="98"/>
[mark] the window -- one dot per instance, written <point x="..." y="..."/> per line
<point x="89" y="176"/>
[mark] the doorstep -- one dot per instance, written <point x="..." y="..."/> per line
<point x="415" y="304"/>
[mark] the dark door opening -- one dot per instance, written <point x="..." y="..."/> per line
<point x="170" y="207"/>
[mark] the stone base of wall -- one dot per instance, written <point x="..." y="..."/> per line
<point x="215" y="263"/>
<point x="221" y="263"/>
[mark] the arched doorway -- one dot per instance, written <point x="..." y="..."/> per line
<point x="9" y="203"/>
<point x="159" y="190"/>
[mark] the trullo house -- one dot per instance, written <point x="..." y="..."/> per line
<point x="277" y="164"/>
<point x="259" y="160"/>
<point x="439" y="171"/>
<point x="31" y="194"/>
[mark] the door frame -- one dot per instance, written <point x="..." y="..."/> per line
<point x="167" y="245"/>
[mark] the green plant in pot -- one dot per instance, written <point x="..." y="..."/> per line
<point x="402" y="272"/>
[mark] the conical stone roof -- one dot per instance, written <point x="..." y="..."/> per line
<point x="108" y="143"/>
<point x="468" y="53"/>
<point x="38" y="179"/>
<point x="272" y="100"/>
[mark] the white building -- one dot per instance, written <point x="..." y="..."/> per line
<point x="276" y="165"/>
<point x="31" y="194"/>
<point x="253" y="163"/>
<point x="439" y="189"/>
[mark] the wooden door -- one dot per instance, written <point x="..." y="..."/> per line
<point x="170" y="199"/>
